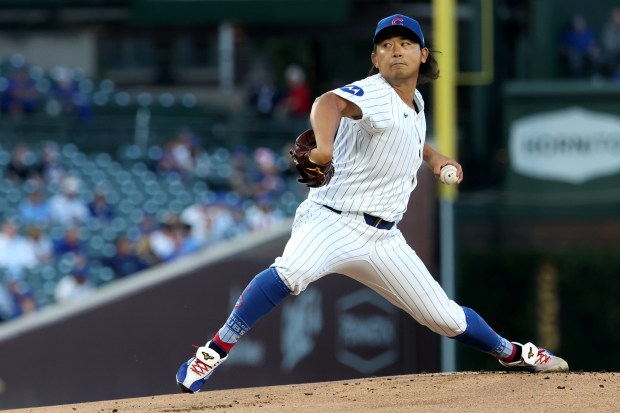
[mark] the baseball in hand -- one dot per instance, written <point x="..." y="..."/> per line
<point x="447" y="175"/>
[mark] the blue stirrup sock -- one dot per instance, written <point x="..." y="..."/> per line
<point x="265" y="292"/>
<point x="480" y="336"/>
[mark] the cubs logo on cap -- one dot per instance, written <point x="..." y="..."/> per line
<point x="403" y="21"/>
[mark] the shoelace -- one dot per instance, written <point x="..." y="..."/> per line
<point x="543" y="357"/>
<point x="200" y="367"/>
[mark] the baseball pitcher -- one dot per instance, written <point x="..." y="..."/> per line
<point x="360" y="160"/>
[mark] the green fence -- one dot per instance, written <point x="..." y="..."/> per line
<point x="538" y="257"/>
<point x="563" y="146"/>
<point x="567" y="301"/>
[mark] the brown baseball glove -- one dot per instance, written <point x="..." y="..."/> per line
<point x="312" y="174"/>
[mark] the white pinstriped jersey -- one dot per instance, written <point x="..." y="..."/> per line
<point x="376" y="158"/>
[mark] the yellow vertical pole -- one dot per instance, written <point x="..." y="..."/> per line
<point x="444" y="109"/>
<point x="444" y="90"/>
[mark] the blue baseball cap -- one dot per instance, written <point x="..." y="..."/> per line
<point x="400" y="21"/>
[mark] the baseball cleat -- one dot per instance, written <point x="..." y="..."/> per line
<point x="537" y="360"/>
<point x="193" y="374"/>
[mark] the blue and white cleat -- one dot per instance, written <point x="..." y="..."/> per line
<point x="538" y="360"/>
<point x="193" y="374"/>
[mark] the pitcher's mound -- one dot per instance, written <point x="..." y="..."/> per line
<point x="474" y="392"/>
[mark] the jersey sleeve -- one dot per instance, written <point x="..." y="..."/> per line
<point x="369" y="94"/>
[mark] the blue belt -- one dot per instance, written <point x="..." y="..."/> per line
<point x="371" y="220"/>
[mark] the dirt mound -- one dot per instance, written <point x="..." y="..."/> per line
<point x="448" y="392"/>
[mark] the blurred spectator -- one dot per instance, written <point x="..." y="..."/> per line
<point x="186" y="245"/>
<point x="67" y="208"/>
<point x="239" y="224"/>
<point x="260" y="216"/>
<point x="146" y="226"/>
<point x="100" y="208"/>
<point x="23" y="164"/>
<point x="166" y="240"/>
<point x="212" y="221"/>
<point x="21" y="96"/>
<point x="610" y="40"/>
<point x="581" y="49"/>
<point x="51" y="169"/>
<point x="221" y="220"/>
<point x="180" y="154"/>
<point x="16" y="254"/>
<point x="71" y="242"/>
<point x="125" y="260"/>
<point x="266" y="181"/>
<point x="264" y="95"/>
<point x="76" y="285"/>
<point x="298" y="99"/>
<point x="65" y="92"/>
<point x="240" y="172"/>
<point x="40" y="243"/>
<point x="21" y="298"/>
<point x="35" y="210"/>
<point x="145" y="252"/>
<point x="196" y="216"/>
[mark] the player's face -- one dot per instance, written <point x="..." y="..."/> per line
<point x="399" y="58"/>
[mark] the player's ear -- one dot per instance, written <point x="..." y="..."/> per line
<point x="424" y="54"/>
<point x="373" y="58"/>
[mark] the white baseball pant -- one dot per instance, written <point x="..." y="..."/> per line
<point x="324" y="242"/>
